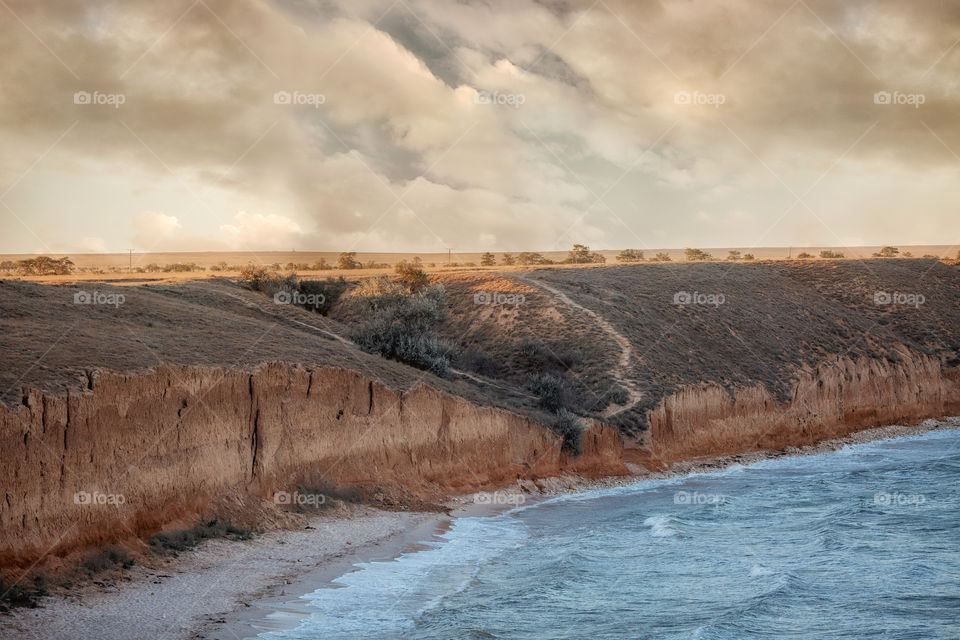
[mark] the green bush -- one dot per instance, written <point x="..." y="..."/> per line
<point x="316" y="485"/>
<point x="617" y="395"/>
<point x="568" y="425"/>
<point x="329" y="289"/>
<point x="695" y="255"/>
<point x="528" y="257"/>
<point x="261" y="279"/>
<point x="581" y="254"/>
<point x="44" y="266"/>
<point x="401" y="324"/>
<point x="477" y="361"/>
<point x="189" y="538"/>
<point x="410" y="275"/>
<point x="22" y="593"/>
<point x="348" y="260"/>
<point x="252" y="275"/>
<point x="182" y="267"/>
<point x="554" y="393"/>
<point x="593" y="402"/>
<point x="108" y="559"/>
<point x="630" y="255"/>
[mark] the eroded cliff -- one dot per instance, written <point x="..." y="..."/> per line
<point x="831" y="400"/>
<point x="134" y="452"/>
<point x="218" y="419"/>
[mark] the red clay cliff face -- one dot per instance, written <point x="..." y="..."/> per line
<point x="134" y="453"/>
<point x="166" y="443"/>
<point x="836" y="398"/>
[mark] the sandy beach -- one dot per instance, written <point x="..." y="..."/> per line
<point x="187" y="598"/>
<point x="225" y="590"/>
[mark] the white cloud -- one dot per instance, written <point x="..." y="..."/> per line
<point x="155" y="223"/>
<point x="259" y="231"/>
<point x="400" y="114"/>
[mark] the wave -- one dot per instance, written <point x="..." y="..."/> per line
<point x="757" y="571"/>
<point x="791" y="542"/>
<point x="661" y="526"/>
<point x="388" y="597"/>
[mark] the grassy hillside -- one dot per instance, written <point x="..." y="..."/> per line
<point x="755" y="323"/>
<point x="608" y="342"/>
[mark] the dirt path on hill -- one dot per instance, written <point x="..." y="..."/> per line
<point x="621" y="372"/>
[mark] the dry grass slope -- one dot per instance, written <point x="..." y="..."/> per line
<point x="515" y="329"/>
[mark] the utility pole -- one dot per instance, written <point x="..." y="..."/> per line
<point x="130" y="262"/>
<point x="449" y="257"/>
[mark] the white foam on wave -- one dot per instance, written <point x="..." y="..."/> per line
<point x="387" y="597"/>
<point x="660" y="526"/>
<point x="757" y="571"/>
<point x="811" y="461"/>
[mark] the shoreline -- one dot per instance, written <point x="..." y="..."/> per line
<point x="184" y="596"/>
<point x="225" y="590"/>
<point x="246" y="624"/>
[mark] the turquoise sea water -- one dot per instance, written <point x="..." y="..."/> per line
<point x="859" y="543"/>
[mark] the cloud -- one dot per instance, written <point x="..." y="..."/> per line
<point x="402" y="154"/>
<point x="154" y="231"/>
<point x="255" y="230"/>
<point x="154" y="223"/>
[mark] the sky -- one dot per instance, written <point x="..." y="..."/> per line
<point x="501" y="125"/>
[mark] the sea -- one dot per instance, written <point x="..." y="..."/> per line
<point x="859" y="543"/>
